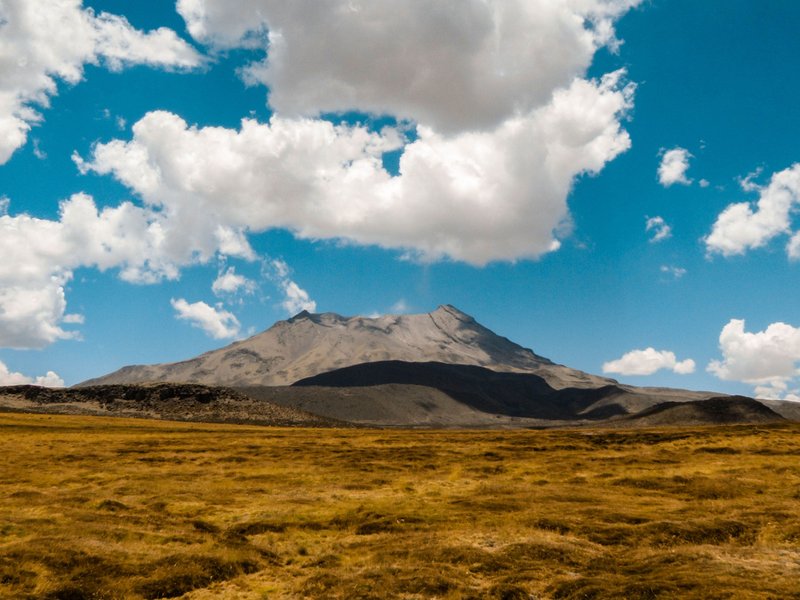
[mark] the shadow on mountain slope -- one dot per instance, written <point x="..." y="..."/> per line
<point x="509" y="394"/>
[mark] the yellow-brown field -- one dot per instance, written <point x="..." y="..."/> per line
<point x="113" y="508"/>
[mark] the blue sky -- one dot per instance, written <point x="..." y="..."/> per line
<point x="399" y="157"/>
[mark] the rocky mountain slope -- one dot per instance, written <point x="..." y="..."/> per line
<point x="310" y="344"/>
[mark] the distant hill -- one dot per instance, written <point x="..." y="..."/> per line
<point x="310" y="344"/>
<point x="722" y="410"/>
<point x="175" y="402"/>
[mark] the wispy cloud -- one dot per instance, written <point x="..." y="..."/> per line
<point x="216" y="322"/>
<point x="229" y="282"/>
<point x="295" y="298"/>
<point x="658" y="228"/>
<point x="672" y="271"/>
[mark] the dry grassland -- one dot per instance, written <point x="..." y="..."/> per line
<point x="112" y="508"/>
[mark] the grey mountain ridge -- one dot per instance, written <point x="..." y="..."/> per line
<point x="309" y="344"/>
<point x="437" y="369"/>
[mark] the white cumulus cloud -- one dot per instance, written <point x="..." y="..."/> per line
<point x="475" y="197"/>
<point x="8" y="377"/>
<point x="746" y="226"/>
<point x="658" y="228"/>
<point x="452" y="65"/>
<point x="40" y="255"/>
<point x="647" y="362"/>
<point x="31" y="312"/>
<point x="767" y="358"/>
<point x="216" y="322"/>
<point x="505" y="123"/>
<point x="43" y="43"/>
<point x="673" y="167"/>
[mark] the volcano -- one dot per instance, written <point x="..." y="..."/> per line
<point x="310" y="344"/>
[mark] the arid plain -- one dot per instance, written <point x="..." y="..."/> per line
<point x="99" y="507"/>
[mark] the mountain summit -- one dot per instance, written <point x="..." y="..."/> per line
<point x="309" y="344"/>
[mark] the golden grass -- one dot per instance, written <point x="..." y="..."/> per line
<point x="113" y="508"/>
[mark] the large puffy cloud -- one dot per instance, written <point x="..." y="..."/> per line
<point x="216" y="322"/>
<point x="505" y="123"/>
<point x="44" y="42"/>
<point x="476" y="196"/>
<point x="647" y="362"/>
<point x="453" y="65"/>
<point x="766" y="358"/>
<point x="743" y="226"/>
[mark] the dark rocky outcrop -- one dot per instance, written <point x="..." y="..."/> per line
<point x="177" y="402"/>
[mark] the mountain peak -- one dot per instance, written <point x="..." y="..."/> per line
<point x="326" y="317"/>
<point x="452" y="311"/>
<point x="308" y="344"/>
<point x="449" y="308"/>
<point x="303" y="314"/>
